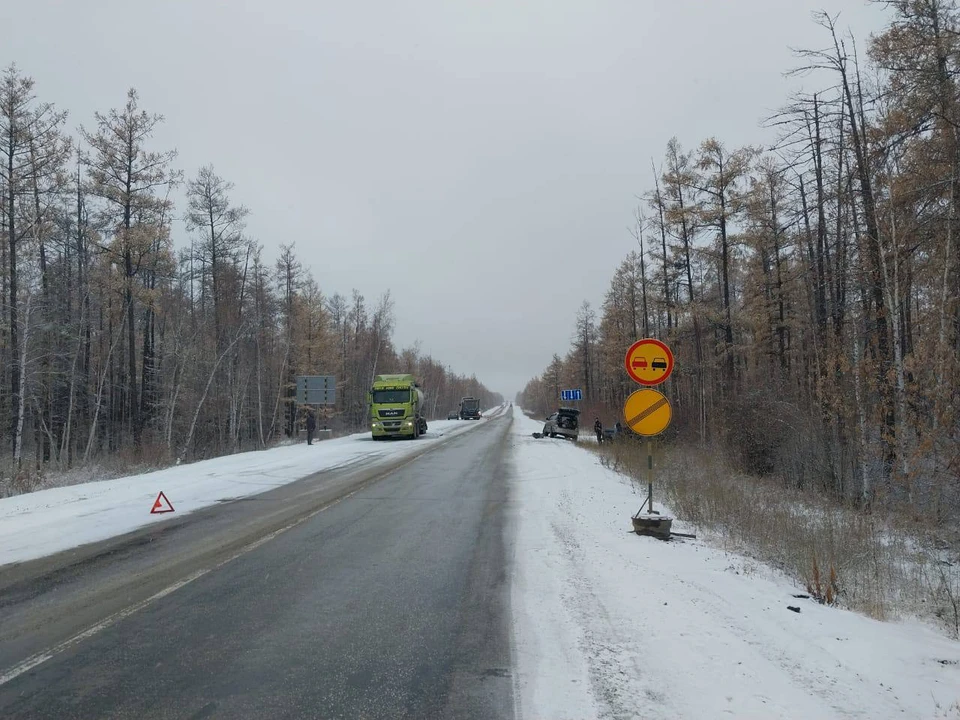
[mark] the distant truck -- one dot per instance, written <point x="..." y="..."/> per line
<point x="396" y="407"/>
<point x="469" y="408"/>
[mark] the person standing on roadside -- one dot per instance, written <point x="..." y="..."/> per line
<point x="311" y="426"/>
<point x="598" y="429"/>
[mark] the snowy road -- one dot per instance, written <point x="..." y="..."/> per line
<point x="612" y="625"/>
<point x="387" y="602"/>
<point x="484" y="574"/>
<point x="50" y="521"/>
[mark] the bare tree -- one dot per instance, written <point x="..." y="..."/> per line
<point x="33" y="153"/>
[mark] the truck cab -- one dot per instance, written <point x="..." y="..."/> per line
<point x="396" y="407"/>
<point x="469" y="408"/>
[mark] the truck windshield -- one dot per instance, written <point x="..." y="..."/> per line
<point x="391" y="396"/>
<point x="471" y="404"/>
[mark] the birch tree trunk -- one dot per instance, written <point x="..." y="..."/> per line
<point x="892" y="296"/>
<point x="943" y="351"/>
<point x="203" y="397"/>
<point x="103" y="376"/>
<point x="65" y="440"/>
<point x="260" y="393"/>
<point x="21" y="388"/>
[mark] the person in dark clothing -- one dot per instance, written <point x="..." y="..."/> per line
<point x="598" y="429"/>
<point x="619" y="428"/>
<point x="311" y="426"/>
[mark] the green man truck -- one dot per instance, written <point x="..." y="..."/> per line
<point x="397" y="407"/>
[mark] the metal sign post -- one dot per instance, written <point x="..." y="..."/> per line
<point x="649" y="444"/>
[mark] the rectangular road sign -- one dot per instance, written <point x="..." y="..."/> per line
<point x="571" y="395"/>
<point x="317" y="389"/>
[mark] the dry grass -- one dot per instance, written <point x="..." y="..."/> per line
<point x="842" y="556"/>
<point x="950" y="713"/>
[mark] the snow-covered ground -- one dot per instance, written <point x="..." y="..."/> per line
<point x="48" y="521"/>
<point x="611" y="625"/>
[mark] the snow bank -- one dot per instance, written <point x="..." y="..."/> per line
<point x="48" y="521"/>
<point x="609" y="624"/>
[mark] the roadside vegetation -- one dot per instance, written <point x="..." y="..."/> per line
<point x="881" y="564"/>
<point x="810" y="291"/>
<point x="141" y="324"/>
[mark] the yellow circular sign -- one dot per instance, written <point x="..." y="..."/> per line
<point x="647" y="412"/>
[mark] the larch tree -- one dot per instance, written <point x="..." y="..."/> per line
<point x="718" y="182"/>
<point x="132" y="182"/>
<point x="34" y="154"/>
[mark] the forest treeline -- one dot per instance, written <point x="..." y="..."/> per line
<point x="809" y="290"/>
<point x="120" y="340"/>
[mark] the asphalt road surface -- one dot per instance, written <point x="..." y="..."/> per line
<point x="371" y="592"/>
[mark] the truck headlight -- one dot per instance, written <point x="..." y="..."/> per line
<point x="408" y="423"/>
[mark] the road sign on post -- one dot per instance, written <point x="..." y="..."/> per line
<point x="571" y="395"/>
<point x="647" y="412"/>
<point x="317" y="389"/>
<point x="649" y="362"/>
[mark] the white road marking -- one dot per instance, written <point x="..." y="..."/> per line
<point x="31" y="662"/>
<point x="38" y="659"/>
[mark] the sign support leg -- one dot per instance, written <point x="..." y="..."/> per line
<point x="649" y="449"/>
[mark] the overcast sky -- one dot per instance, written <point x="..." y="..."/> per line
<point x="478" y="159"/>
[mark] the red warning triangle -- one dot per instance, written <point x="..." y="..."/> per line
<point x="162" y="505"/>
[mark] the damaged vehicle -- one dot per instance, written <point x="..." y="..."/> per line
<point x="565" y="422"/>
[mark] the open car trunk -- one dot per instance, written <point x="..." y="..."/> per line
<point x="568" y="419"/>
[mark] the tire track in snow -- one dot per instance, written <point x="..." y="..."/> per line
<point x="616" y="672"/>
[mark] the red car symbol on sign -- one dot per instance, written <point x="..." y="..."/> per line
<point x="639" y="362"/>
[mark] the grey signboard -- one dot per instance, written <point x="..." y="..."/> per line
<point x="317" y="389"/>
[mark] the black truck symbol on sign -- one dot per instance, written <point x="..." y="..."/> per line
<point x="640" y="363"/>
